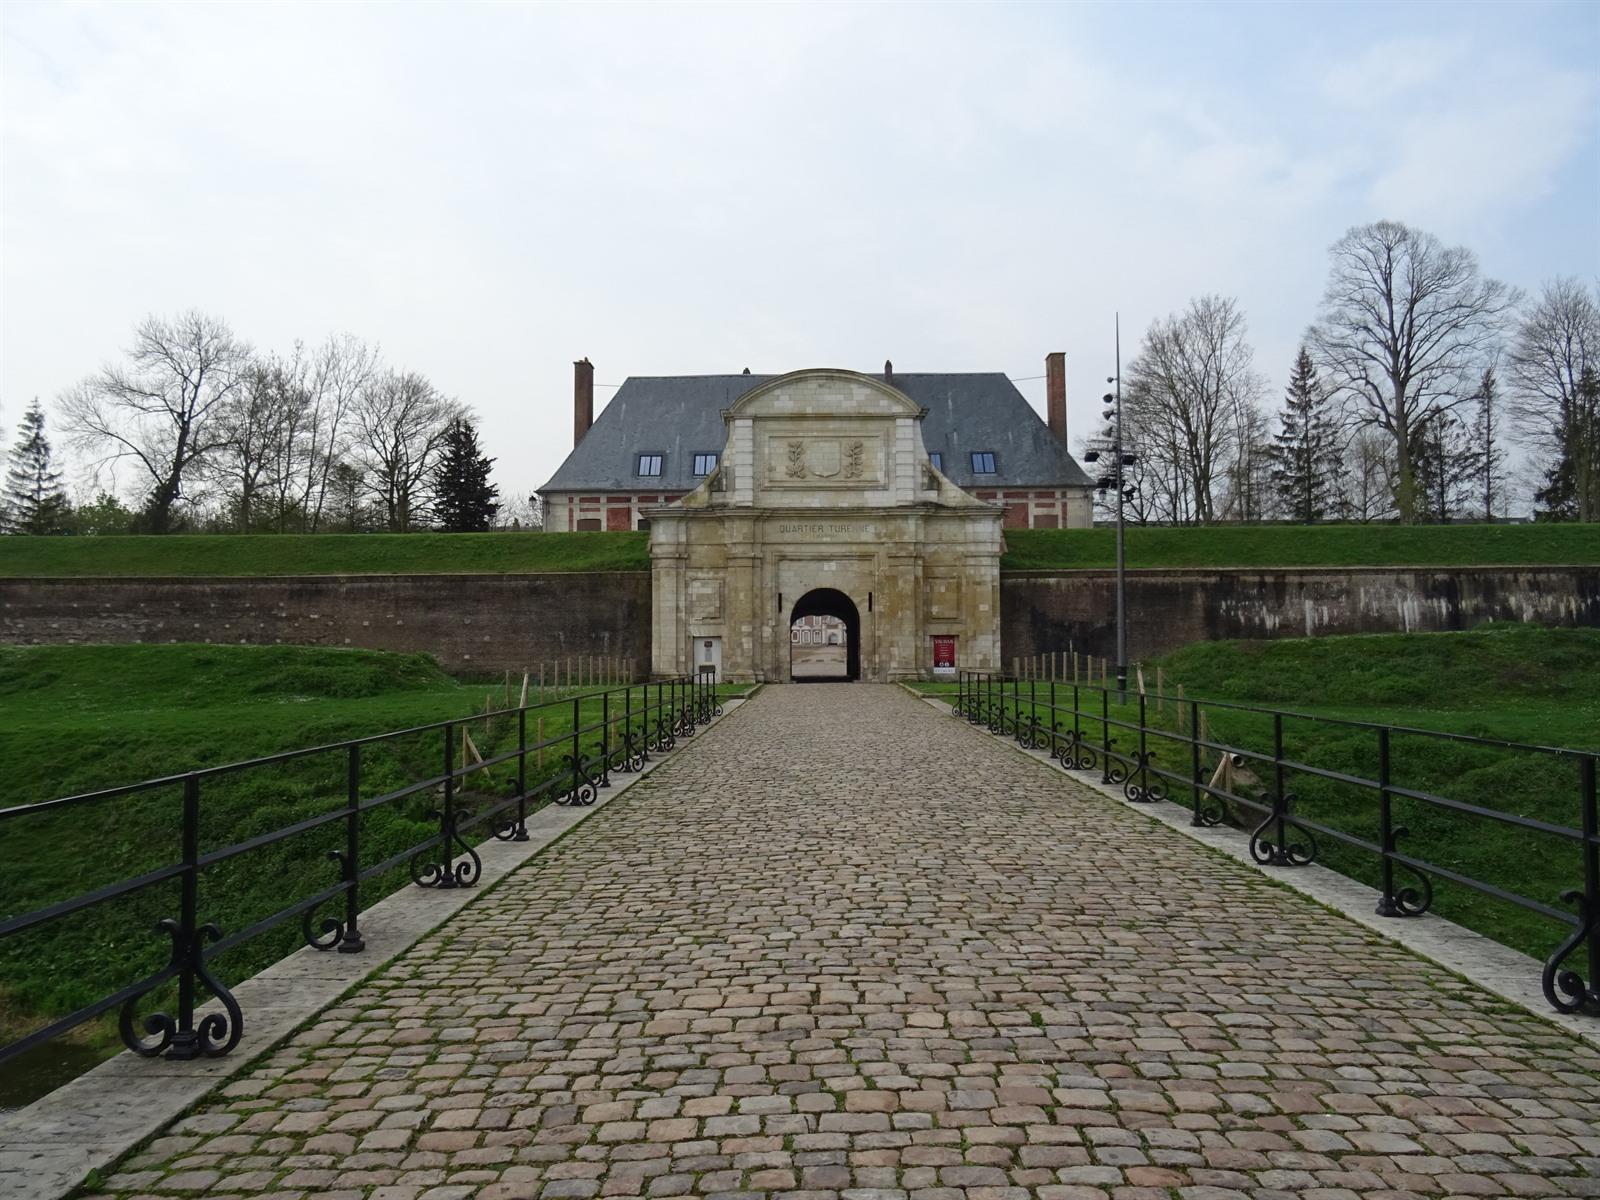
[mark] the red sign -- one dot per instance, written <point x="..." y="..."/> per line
<point x="944" y="653"/>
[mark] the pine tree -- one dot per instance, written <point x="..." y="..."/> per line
<point x="1572" y="483"/>
<point x="1485" y="432"/>
<point x="463" y="498"/>
<point x="1448" y="466"/>
<point x="34" y="500"/>
<point x="1306" y="451"/>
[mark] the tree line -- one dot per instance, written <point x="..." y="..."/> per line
<point x="221" y="437"/>
<point x="1415" y="376"/>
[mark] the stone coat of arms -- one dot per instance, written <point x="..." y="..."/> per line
<point x="825" y="458"/>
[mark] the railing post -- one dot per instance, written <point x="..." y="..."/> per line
<point x="351" y="941"/>
<point x="185" y="1040"/>
<point x="1194" y="762"/>
<point x="447" y="826"/>
<point x="1077" y="724"/>
<point x="1591" y="870"/>
<point x="522" y="776"/>
<point x="605" y="739"/>
<point x="577" y="750"/>
<point x="1105" y="733"/>
<point x="1386" y="902"/>
<point x="1280" y="799"/>
<point x="1054" y="724"/>
<point x="1142" y="791"/>
<point x="627" y="727"/>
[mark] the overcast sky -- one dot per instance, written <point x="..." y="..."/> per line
<point x="492" y="191"/>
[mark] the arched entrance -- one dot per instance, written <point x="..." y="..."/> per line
<point x="828" y="603"/>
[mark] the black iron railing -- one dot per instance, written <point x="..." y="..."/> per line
<point x="613" y="730"/>
<point x="1082" y="727"/>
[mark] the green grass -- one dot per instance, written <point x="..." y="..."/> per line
<point x="1513" y="683"/>
<point x="324" y="554"/>
<point x="82" y="718"/>
<point x="1305" y="546"/>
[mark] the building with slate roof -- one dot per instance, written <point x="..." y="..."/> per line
<point x="663" y="435"/>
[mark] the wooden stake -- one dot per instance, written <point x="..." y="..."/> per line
<point x="1138" y="670"/>
<point x="523" y="702"/>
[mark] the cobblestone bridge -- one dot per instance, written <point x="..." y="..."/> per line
<point x="844" y="947"/>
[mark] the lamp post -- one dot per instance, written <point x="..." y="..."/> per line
<point x="1117" y="479"/>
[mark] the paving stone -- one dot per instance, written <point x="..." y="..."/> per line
<point x="843" y="947"/>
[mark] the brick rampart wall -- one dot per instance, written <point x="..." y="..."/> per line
<point x="498" y="622"/>
<point x="1044" y="612"/>
<point x="468" y="622"/>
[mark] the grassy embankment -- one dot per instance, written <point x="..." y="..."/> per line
<point x="1026" y="550"/>
<point x="1512" y="683"/>
<point x="81" y="718"/>
<point x="324" y="554"/>
<point x="1288" y="546"/>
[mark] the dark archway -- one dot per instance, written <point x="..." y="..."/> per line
<point x="827" y="602"/>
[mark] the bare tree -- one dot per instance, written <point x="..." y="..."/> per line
<point x="1552" y="411"/>
<point x="1366" y="487"/>
<point x="255" y="459"/>
<point x="342" y="369"/>
<point x="160" y="411"/>
<point x="398" y="426"/>
<point x="1405" y="324"/>
<point x="1193" y="377"/>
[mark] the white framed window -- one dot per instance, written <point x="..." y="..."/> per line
<point x="983" y="462"/>
<point x="650" y="465"/>
<point x="704" y="464"/>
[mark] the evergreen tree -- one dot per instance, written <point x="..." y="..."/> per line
<point x="1306" y="451"/>
<point x="463" y="498"/>
<point x="34" y="500"/>
<point x="1485" y="435"/>
<point x="1572" y="483"/>
<point x="1448" y="466"/>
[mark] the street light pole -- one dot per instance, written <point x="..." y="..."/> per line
<point x="1122" y="582"/>
<point x="1117" y="478"/>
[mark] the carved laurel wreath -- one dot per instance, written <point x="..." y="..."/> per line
<point x="797" y="460"/>
<point x="853" y="458"/>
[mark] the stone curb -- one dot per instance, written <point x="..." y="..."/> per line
<point x="49" y="1148"/>
<point x="1500" y="970"/>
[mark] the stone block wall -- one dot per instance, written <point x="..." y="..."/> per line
<point x="470" y="623"/>
<point x="1045" y="612"/>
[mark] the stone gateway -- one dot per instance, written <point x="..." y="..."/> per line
<point x="824" y="503"/>
<point x="873" y="502"/>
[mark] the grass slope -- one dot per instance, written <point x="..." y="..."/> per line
<point x="324" y="554"/>
<point x="1026" y="550"/>
<point x="1304" y="546"/>
<point x="80" y="718"/>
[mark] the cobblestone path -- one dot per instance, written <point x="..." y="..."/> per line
<point x="845" y="947"/>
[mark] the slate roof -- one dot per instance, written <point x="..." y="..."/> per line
<point x="679" y="416"/>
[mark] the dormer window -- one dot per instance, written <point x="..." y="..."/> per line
<point x="983" y="462"/>
<point x="704" y="464"/>
<point x="649" y="465"/>
<point x="937" y="460"/>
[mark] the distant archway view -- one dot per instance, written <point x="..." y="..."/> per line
<point x="824" y="638"/>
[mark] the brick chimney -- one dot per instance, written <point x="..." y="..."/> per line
<point x="1055" y="387"/>
<point x="582" y="398"/>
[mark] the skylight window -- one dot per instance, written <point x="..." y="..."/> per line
<point x="650" y="464"/>
<point x="937" y="460"/>
<point x="704" y="464"/>
<point x="983" y="462"/>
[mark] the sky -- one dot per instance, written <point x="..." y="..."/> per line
<point x="491" y="191"/>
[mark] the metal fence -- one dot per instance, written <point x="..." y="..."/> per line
<point x="612" y="730"/>
<point x="1154" y="756"/>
